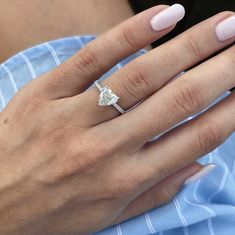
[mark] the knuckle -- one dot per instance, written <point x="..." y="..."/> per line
<point x="123" y="190"/>
<point x="165" y="195"/>
<point x="57" y="133"/>
<point x="193" y="47"/>
<point x="186" y="98"/>
<point x="169" y="192"/>
<point x="127" y="38"/>
<point x="55" y="130"/>
<point x="125" y="186"/>
<point x="78" y="162"/>
<point x="162" y="193"/>
<point x="136" y="82"/>
<point x="209" y="136"/>
<point x="59" y="76"/>
<point x="86" y="61"/>
<point x="88" y="156"/>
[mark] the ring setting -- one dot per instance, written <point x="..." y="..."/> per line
<point x="107" y="97"/>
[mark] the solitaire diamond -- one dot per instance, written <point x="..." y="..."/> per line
<point x="107" y="97"/>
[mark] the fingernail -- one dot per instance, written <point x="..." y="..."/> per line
<point x="200" y="174"/>
<point x="226" y="29"/>
<point x="168" y="17"/>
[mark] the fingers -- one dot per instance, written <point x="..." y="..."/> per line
<point x="91" y="62"/>
<point x="186" y="143"/>
<point x="185" y="96"/>
<point x="164" y="191"/>
<point x="150" y="72"/>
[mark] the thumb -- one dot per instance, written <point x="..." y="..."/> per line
<point x="165" y="190"/>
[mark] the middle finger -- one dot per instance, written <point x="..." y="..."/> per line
<point x="185" y="96"/>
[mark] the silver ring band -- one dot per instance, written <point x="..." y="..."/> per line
<point x="107" y="97"/>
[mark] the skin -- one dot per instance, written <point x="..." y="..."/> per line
<point x="97" y="16"/>
<point x="64" y="171"/>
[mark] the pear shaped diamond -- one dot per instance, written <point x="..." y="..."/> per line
<point x="107" y="97"/>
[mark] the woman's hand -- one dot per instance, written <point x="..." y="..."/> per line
<point x="69" y="166"/>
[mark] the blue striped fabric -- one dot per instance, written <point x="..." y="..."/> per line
<point x="206" y="207"/>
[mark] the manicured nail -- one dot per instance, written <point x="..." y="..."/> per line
<point x="226" y="29"/>
<point x="200" y="174"/>
<point x="168" y="17"/>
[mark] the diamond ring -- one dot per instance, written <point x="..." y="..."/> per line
<point x="107" y="97"/>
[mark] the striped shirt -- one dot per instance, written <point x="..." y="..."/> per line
<point x="205" y="207"/>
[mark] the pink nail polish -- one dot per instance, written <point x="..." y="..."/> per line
<point x="226" y="29"/>
<point x="200" y="174"/>
<point x="168" y="17"/>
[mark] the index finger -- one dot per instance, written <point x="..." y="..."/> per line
<point x="92" y="61"/>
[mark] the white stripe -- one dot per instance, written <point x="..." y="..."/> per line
<point x="80" y="42"/>
<point x="11" y="77"/>
<point x="221" y="186"/>
<point x="149" y="223"/>
<point x="210" y="158"/>
<point x="30" y="66"/>
<point x="185" y="231"/>
<point x="209" y="221"/>
<point x="2" y="99"/>
<point x="51" y="49"/>
<point x="222" y="183"/>
<point x="178" y="209"/>
<point x="210" y="226"/>
<point x="119" y="229"/>
<point x="233" y="170"/>
<point x="195" y="190"/>
<point x="211" y="212"/>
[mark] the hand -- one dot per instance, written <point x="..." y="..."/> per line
<point x="69" y="166"/>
